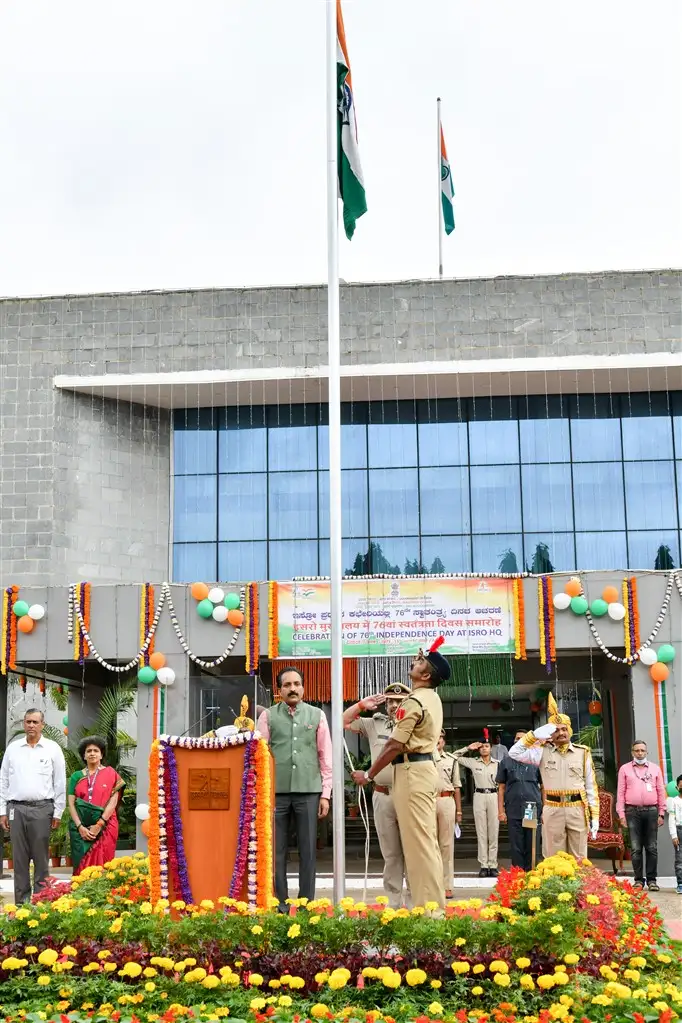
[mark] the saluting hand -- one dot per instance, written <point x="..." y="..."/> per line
<point x="474" y="745"/>
<point x="372" y="702"/>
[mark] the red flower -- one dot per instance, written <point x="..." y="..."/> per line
<point x="665" y="1016"/>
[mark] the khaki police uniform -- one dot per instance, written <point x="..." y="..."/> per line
<point x="377" y="731"/>
<point x="485" y="806"/>
<point x="446" y="813"/>
<point x="415" y="783"/>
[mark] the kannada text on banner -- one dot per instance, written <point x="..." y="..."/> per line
<point x="394" y="617"/>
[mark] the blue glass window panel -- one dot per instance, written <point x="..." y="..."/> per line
<point x="392" y="444"/>
<point x="195" y="509"/>
<point x="353" y="502"/>
<point x="444" y="500"/>
<point x="494" y="442"/>
<point x="446" y="554"/>
<point x="647" y="437"/>
<point x="650" y="495"/>
<point x="192" y="561"/>
<point x="653" y="549"/>
<point x="498" y="553"/>
<point x="547" y="498"/>
<point x="293" y="505"/>
<point x="242" y="507"/>
<point x="443" y="444"/>
<point x="292" y="447"/>
<point x="395" y="554"/>
<point x="598" y="499"/>
<point x="242" y="450"/>
<point x="194" y="451"/>
<point x="495" y="499"/>
<point x="544" y="440"/>
<point x="355" y="556"/>
<point x="595" y="428"/>
<point x="601" y="550"/>
<point x="393" y="502"/>
<point x="289" y="558"/>
<point x="242" y="561"/>
<point x="678" y="467"/>
<point x="353" y="446"/>
<point x="560" y="551"/>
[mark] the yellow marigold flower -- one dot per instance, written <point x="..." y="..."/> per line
<point x="564" y="897"/>
<point x="274" y="984"/>
<point x="430" y="906"/>
<point x="534" y="903"/>
<point x="498" y="966"/>
<point x="592" y="900"/>
<point x="559" y="968"/>
<point x="436" y="984"/>
<point x="663" y="958"/>
<point x="44" y="980"/>
<point x="477" y="990"/>
<point x="631" y="975"/>
<point x="211" y="981"/>
<point x="320" y="978"/>
<point x="255" y="980"/>
<point x="92" y="968"/>
<point x="571" y="958"/>
<point x="391" y="979"/>
<point x="207" y="904"/>
<point x="639" y="961"/>
<point x="557" y="929"/>
<point x="32" y="923"/>
<point x="104" y="954"/>
<point x="69" y="950"/>
<point x="48" y="957"/>
<point x="109" y="967"/>
<point x="319" y="1011"/>
<point x="296" y="983"/>
<point x="285" y="1000"/>
<point x="150" y="986"/>
<point x="661" y="1006"/>
<point x="462" y="967"/>
<point x="257" y="1003"/>
<point x="294" y="931"/>
<point x="546" y="981"/>
<point x="561" y="978"/>
<point x="601" y="1000"/>
<point x="502" y="979"/>
<point x="415" y="977"/>
<point x="435" y="1009"/>
<point x="256" y="930"/>
<point x="523" y="962"/>
<point x="478" y="968"/>
<point x="22" y="913"/>
<point x="460" y="941"/>
<point x="337" y="981"/>
<point x="131" y="970"/>
<point x="526" y="982"/>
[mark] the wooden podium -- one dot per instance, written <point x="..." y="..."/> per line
<point x="211" y="819"/>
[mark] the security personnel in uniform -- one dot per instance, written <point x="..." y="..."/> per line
<point x="377" y="730"/>
<point x="411" y="749"/>
<point x="448" y="811"/>
<point x="568" y="781"/>
<point x="484" y="771"/>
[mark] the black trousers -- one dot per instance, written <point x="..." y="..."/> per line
<point x="521" y="843"/>
<point x="302" y="806"/>
<point x="643" y="828"/>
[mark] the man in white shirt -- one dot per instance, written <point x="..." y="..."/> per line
<point x="32" y="801"/>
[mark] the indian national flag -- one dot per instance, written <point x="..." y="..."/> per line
<point x="447" y="189"/>
<point x="351" y="183"/>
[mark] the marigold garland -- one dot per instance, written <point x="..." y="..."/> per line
<point x="550" y="605"/>
<point x="264" y="815"/>
<point x="153" y="838"/>
<point x="519" y="620"/>
<point x="81" y="648"/>
<point x="546" y="622"/>
<point x="252" y="626"/>
<point x="273" y="620"/>
<point x="9" y="630"/>
<point x="146" y="617"/>
<point x="626" y="620"/>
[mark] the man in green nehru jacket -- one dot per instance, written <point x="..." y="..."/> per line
<point x="301" y="746"/>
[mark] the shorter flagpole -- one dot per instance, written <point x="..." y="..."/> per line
<point x="440" y="196"/>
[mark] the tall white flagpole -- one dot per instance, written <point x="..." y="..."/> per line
<point x="440" y="198"/>
<point x="335" y="559"/>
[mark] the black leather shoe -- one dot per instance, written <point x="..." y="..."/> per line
<point x="492" y="872"/>
<point x="483" y="872"/>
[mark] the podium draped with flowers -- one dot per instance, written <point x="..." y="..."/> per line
<point x="211" y="819"/>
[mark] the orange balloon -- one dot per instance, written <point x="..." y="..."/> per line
<point x="157" y="661"/>
<point x="66" y="731"/>
<point x="25" y="624"/>
<point x="611" y="595"/>
<point x="659" y="671"/>
<point x="199" y="591"/>
<point x="235" y="617"/>
<point x="144" y="828"/>
<point x="573" y="588"/>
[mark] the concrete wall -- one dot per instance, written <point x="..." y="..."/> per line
<point x="84" y="482"/>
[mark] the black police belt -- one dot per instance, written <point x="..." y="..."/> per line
<point x="412" y="758"/>
<point x="556" y="799"/>
<point x="486" y="791"/>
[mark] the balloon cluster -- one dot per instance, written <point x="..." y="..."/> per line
<point x="657" y="661"/>
<point x="156" y="671"/>
<point x="142" y="814"/>
<point x="216" y="604"/>
<point x="539" y="700"/>
<point x="594" y="707"/>
<point x="574" y="598"/>
<point x="671" y="789"/>
<point x="497" y="705"/>
<point x="28" y="616"/>
<point x="65" y="723"/>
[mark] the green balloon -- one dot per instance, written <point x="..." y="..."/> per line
<point x="65" y="721"/>
<point x="666" y="653"/>
<point x="204" y="608"/>
<point x="20" y="608"/>
<point x="596" y="719"/>
<point x="578" y="605"/>
<point x="232" y="601"/>
<point x="146" y="675"/>
<point x="671" y="789"/>
<point x="598" y="607"/>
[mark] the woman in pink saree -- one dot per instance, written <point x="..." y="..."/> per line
<point x="93" y="795"/>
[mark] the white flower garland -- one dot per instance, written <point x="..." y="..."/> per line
<point x="652" y="635"/>
<point x="208" y="742"/>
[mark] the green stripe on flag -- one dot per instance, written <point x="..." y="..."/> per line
<point x="667" y="765"/>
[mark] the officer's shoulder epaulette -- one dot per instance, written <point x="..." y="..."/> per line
<point x="580" y="745"/>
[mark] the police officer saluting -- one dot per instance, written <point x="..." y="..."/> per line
<point x="411" y="749"/>
<point x="448" y="811"/>
<point x="484" y="770"/>
<point x="377" y="730"/>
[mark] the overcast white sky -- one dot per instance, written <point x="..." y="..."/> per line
<point x="159" y="144"/>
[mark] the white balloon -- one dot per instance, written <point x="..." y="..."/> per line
<point x="142" y="811"/>
<point x="216" y="595"/>
<point x="36" y="612"/>
<point x="220" y="613"/>
<point x="166" y="676"/>
<point x="648" y="657"/>
<point x="617" y="612"/>
<point x="562" y="601"/>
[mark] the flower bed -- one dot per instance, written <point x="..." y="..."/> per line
<point x="561" y="943"/>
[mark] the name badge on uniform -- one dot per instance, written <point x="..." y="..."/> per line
<point x="648" y="787"/>
<point x="11" y="814"/>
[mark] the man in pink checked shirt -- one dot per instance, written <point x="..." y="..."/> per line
<point x="301" y="746"/>
<point x="640" y="806"/>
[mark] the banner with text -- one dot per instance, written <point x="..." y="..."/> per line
<point x="394" y="617"/>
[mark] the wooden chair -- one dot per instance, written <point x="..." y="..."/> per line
<point x="610" y="838"/>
